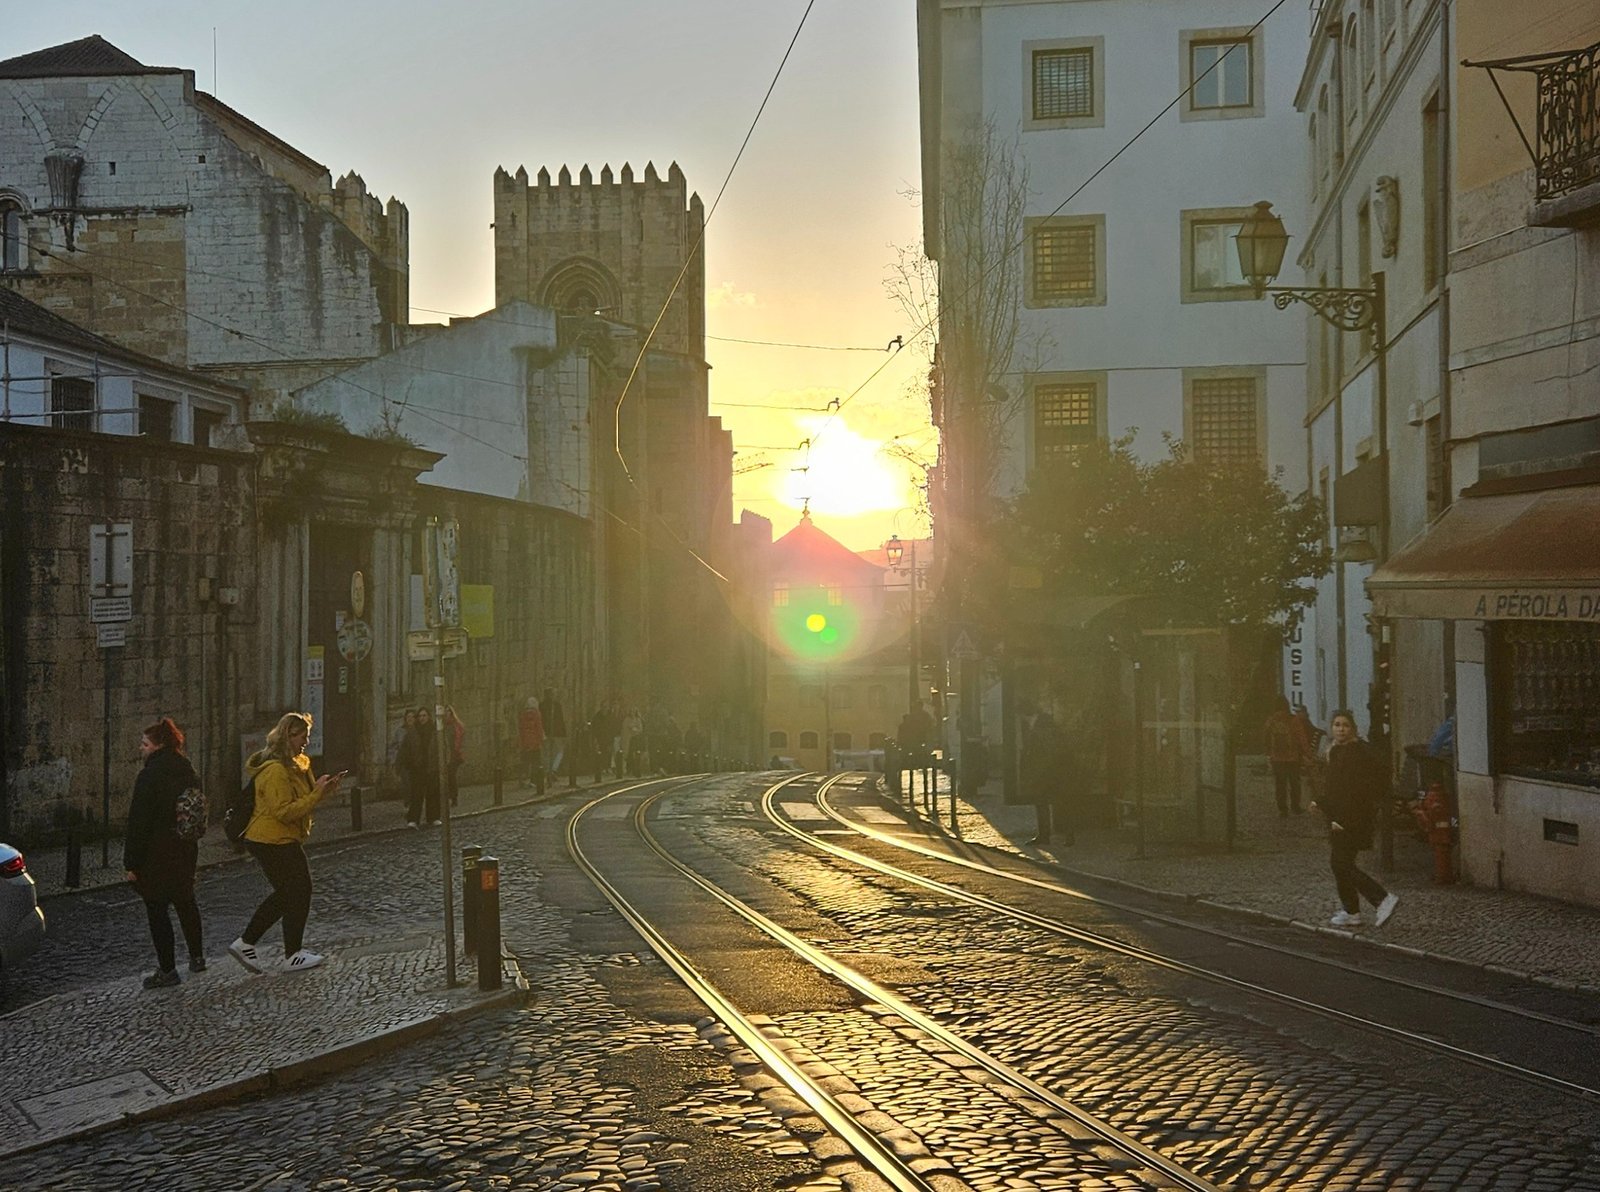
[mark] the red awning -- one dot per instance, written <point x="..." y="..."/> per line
<point x="1511" y="556"/>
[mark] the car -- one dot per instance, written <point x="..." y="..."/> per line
<point x="21" y="920"/>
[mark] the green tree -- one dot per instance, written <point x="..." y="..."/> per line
<point x="1228" y="542"/>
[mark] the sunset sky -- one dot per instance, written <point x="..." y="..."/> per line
<point x="425" y="100"/>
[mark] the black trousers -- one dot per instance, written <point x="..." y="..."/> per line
<point x="156" y="907"/>
<point x="424" y="797"/>
<point x="1353" y="884"/>
<point x="1286" y="785"/>
<point x="286" y="869"/>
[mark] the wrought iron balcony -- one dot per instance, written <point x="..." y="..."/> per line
<point x="1566" y="147"/>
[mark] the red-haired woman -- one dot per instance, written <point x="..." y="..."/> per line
<point x="158" y="862"/>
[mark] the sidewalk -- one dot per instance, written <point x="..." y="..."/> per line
<point x="95" y="1058"/>
<point x="1278" y="870"/>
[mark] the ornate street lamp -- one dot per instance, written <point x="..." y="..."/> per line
<point x="895" y="549"/>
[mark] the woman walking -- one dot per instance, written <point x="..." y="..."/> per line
<point x="159" y="862"/>
<point x="1353" y="794"/>
<point x="286" y="795"/>
<point x="420" y="759"/>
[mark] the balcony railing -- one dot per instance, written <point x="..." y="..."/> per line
<point x="1568" y="152"/>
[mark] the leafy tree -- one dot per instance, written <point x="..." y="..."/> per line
<point x="1229" y="543"/>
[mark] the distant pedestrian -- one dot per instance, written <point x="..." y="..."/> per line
<point x="530" y="741"/>
<point x="286" y="795"/>
<point x="1287" y="747"/>
<point x="159" y="863"/>
<point x="420" y="759"/>
<point x="555" y="731"/>
<point x="1355" y="795"/>
<point x="455" y="739"/>
<point x="1043" y="775"/>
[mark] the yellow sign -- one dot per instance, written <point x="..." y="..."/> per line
<point x="477" y="610"/>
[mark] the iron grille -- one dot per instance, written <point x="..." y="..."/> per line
<point x="1223" y="421"/>
<point x="1063" y="84"/>
<point x="1569" y="122"/>
<point x="1063" y="262"/>
<point x="1063" y="418"/>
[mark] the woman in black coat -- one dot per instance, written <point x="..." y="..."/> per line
<point x="158" y="862"/>
<point x="1355" y="787"/>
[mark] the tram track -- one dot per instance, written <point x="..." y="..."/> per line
<point x="840" y="1113"/>
<point x="1111" y="944"/>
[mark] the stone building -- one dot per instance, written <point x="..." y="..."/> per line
<point x="93" y="435"/>
<point x="631" y="252"/>
<point x="145" y="210"/>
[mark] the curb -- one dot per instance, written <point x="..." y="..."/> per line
<point x="339" y="1058"/>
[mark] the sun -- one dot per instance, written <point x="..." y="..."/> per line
<point x="845" y="474"/>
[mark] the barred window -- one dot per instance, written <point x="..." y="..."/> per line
<point x="777" y="739"/>
<point x="1064" y="263"/>
<point x="1063" y="84"/>
<point x="72" y="403"/>
<point x="1223" y="421"/>
<point x="1063" y="419"/>
<point x="808" y="740"/>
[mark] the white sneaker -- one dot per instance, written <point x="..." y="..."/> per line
<point x="1385" y="909"/>
<point x="411" y="823"/>
<point x="302" y="960"/>
<point x="1346" y="919"/>
<point x="245" y="954"/>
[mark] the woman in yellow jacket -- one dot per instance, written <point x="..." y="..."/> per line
<point x="286" y="794"/>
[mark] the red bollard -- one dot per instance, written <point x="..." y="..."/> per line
<point x="488" y="917"/>
<point x="1434" y="818"/>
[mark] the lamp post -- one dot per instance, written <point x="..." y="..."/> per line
<point x="1261" y="242"/>
<point x="895" y="550"/>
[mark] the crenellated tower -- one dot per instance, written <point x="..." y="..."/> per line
<point x="613" y="245"/>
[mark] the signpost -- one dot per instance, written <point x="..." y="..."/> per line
<point x="441" y="606"/>
<point x="110" y="609"/>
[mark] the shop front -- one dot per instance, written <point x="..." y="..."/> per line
<point x="1516" y="571"/>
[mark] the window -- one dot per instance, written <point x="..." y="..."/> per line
<point x="1369" y="42"/>
<point x="1364" y="261"/>
<point x="156" y="418"/>
<point x="877" y="697"/>
<point x="1223" y="74"/>
<point x="1064" y="82"/>
<point x="808" y="740"/>
<point x="810" y="694"/>
<point x="1350" y="65"/>
<point x="1063" y="419"/>
<point x="842" y="695"/>
<point x="780" y="593"/>
<point x="835" y="595"/>
<point x="1065" y="261"/>
<point x="876" y="740"/>
<point x="841" y="740"/>
<point x="1433" y="191"/>
<point x="206" y="424"/>
<point x="1210" y="263"/>
<point x="13" y="237"/>
<point x="72" y="403"/>
<point x="1223" y="418"/>
<point x="777" y="739"/>
<point x="1546" y="677"/>
<point x="1437" y="474"/>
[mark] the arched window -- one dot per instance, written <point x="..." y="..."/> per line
<point x="808" y="740"/>
<point x="581" y="287"/>
<point x="13" y="237"/>
<point x="841" y="740"/>
<point x="777" y="740"/>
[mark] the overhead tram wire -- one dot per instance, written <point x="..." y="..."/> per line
<point x="1079" y="189"/>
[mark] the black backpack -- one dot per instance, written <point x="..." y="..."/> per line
<point x="240" y="808"/>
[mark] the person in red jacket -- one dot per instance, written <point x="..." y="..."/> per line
<point x="1287" y="746"/>
<point x="530" y="740"/>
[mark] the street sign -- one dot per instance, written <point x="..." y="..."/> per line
<point x="111" y="559"/>
<point x="420" y="644"/>
<point x="355" y="639"/>
<point x="961" y="643"/>
<point x="107" y="610"/>
<point x="110" y="636"/>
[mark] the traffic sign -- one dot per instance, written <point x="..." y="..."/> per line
<point x="110" y="636"/>
<point x="961" y="643"/>
<point x="107" y="610"/>
<point x="421" y="643"/>
<point x="355" y="639"/>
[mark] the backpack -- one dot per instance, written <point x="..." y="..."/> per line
<point x="240" y="808"/>
<point x="191" y="814"/>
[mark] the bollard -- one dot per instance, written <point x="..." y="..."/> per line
<point x="355" y="809"/>
<point x="74" y="858"/>
<point x="488" y="924"/>
<point x="469" y="897"/>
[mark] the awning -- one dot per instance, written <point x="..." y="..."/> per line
<point x="1511" y="556"/>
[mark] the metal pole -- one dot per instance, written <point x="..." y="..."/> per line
<point x="1138" y="755"/>
<point x="105" y="761"/>
<point x="1381" y="672"/>
<point x="444" y="812"/>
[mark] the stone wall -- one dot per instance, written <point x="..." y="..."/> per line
<point x="187" y="655"/>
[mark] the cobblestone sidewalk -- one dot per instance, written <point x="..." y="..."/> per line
<point x="1278" y="869"/>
